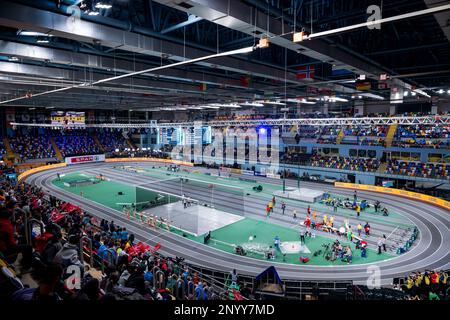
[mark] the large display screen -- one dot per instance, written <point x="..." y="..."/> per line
<point x="68" y="117"/>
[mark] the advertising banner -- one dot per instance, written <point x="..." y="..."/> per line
<point x="69" y="117"/>
<point x="85" y="159"/>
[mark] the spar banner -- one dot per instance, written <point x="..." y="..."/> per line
<point x="85" y="159"/>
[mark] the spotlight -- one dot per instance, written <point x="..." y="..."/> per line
<point x="441" y="91"/>
<point x="93" y="13"/>
<point x="42" y="41"/>
<point x="103" y="5"/>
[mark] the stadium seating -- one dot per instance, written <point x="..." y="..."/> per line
<point x="128" y="266"/>
<point x="32" y="147"/>
<point x="419" y="169"/>
<point x="345" y="163"/>
<point x="76" y="142"/>
<point x="420" y="136"/>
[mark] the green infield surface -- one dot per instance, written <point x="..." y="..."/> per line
<point x="114" y="194"/>
<point x="258" y="235"/>
<point x="254" y="235"/>
<point x="369" y="214"/>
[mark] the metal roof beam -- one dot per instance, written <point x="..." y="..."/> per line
<point x="23" y="17"/>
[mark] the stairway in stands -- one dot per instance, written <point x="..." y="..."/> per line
<point x="390" y="135"/>
<point x="97" y="141"/>
<point x="9" y="151"/>
<point x="340" y="137"/>
<point x="382" y="167"/>
<point x="56" y="148"/>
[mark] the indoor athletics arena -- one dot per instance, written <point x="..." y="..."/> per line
<point x="227" y="150"/>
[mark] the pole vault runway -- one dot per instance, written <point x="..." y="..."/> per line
<point x="432" y="250"/>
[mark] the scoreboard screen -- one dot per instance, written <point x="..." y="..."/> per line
<point x="69" y="117"/>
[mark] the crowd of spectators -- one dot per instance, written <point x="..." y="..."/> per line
<point x="128" y="267"/>
<point x="2" y="148"/>
<point x="112" y="140"/>
<point x="331" y="131"/>
<point x="418" y="169"/>
<point x="29" y="147"/>
<point x="309" y="132"/>
<point x="428" y="285"/>
<point x="345" y="163"/>
<point x="76" y="142"/>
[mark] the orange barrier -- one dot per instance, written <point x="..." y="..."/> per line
<point x="60" y="165"/>
<point x="39" y="169"/>
<point x="397" y="192"/>
<point x="20" y="168"/>
<point x="169" y="161"/>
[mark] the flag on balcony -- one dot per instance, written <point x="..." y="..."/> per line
<point x="306" y="72"/>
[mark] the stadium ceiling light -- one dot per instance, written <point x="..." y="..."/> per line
<point x="448" y="91"/>
<point x="441" y="91"/>
<point x="371" y="95"/>
<point x="127" y="75"/>
<point x="225" y="105"/>
<point x="33" y="34"/>
<point x="251" y="104"/>
<point x="103" y="5"/>
<point x="277" y="102"/>
<point x="339" y="99"/>
<point x="423" y="93"/>
<point x="304" y="101"/>
<point x="195" y="108"/>
<point x="93" y="13"/>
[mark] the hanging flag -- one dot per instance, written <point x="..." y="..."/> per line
<point x="246" y="81"/>
<point x="305" y="72"/>
<point x="203" y="87"/>
<point x="363" y="85"/>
